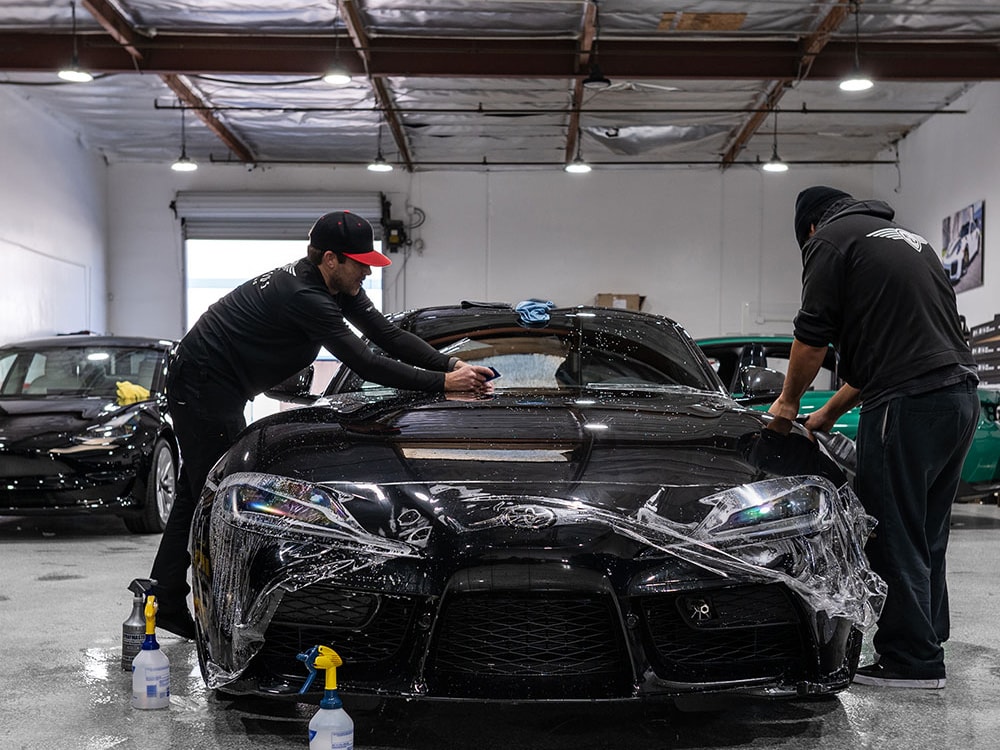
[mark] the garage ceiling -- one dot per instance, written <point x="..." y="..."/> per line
<point x="482" y="84"/>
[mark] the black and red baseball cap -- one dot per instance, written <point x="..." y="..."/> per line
<point x="349" y="234"/>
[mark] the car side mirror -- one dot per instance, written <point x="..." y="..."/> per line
<point x="296" y="389"/>
<point x="758" y="384"/>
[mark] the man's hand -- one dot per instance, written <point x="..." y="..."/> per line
<point x="467" y="377"/>
<point x="820" y="421"/>
<point x="784" y="408"/>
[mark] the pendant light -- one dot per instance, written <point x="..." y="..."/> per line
<point x="578" y="165"/>
<point x="75" y="74"/>
<point x="775" y="163"/>
<point x="857" y="81"/>
<point x="379" y="164"/>
<point x="183" y="163"/>
<point x="337" y="75"/>
<point x="595" y="80"/>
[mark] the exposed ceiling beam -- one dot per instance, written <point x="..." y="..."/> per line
<point x="383" y="95"/>
<point x="194" y="101"/>
<point x="117" y="26"/>
<point x="767" y="100"/>
<point x="964" y="60"/>
<point x="130" y="41"/>
<point x="588" y="32"/>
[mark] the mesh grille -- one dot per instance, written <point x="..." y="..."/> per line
<point x="367" y="630"/>
<point x="532" y="645"/>
<point x="736" y="633"/>
<point x="509" y="635"/>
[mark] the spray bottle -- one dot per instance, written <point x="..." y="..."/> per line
<point x="134" y="628"/>
<point x="331" y="728"/>
<point x="150" y="668"/>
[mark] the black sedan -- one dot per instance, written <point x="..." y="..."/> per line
<point x="606" y="524"/>
<point x="84" y="429"/>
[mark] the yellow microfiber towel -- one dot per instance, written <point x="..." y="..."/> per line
<point x="130" y="393"/>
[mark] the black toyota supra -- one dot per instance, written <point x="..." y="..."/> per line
<point x="606" y="524"/>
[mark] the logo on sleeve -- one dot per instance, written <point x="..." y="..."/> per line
<point x="913" y="240"/>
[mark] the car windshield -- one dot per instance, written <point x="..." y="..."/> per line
<point x="75" y="371"/>
<point x="583" y="351"/>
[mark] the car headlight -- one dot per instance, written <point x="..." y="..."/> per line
<point x="105" y="434"/>
<point x="788" y="506"/>
<point x="290" y="505"/>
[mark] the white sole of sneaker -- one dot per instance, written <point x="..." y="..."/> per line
<point x="931" y="684"/>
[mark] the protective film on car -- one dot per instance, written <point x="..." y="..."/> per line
<point x="274" y="535"/>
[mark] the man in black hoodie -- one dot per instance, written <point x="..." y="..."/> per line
<point x="880" y="295"/>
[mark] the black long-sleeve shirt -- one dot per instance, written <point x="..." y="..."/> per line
<point x="880" y="295"/>
<point x="272" y="326"/>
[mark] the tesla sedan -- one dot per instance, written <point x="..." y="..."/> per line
<point x="84" y="429"/>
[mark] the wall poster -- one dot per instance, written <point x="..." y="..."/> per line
<point x="962" y="247"/>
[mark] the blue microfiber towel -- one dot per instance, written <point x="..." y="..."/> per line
<point x="534" y="311"/>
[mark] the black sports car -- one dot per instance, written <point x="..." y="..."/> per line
<point x="606" y="524"/>
<point x="84" y="429"/>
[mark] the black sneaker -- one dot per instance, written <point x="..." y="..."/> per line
<point x="881" y="676"/>
<point x="176" y="622"/>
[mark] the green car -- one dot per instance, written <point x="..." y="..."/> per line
<point x="731" y="355"/>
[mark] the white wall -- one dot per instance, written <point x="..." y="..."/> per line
<point x="947" y="164"/>
<point x="677" y="237"/>
<point x="53" y="226"/>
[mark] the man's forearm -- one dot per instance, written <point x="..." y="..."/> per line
<point x="803" y="364"/>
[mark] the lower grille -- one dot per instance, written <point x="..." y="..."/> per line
<point x="367" y="630"/>
<point x="507" y="644"/>
<point x="744" y="632"/>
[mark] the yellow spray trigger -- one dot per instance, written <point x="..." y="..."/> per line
<point x="329" y="660"/>
<point x="150" y="612"/>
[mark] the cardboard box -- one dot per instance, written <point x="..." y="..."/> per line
<point x="621" y="301"/>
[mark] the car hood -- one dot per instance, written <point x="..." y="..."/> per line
<point x="692" y="443"/>
<point x="44" y="420"/>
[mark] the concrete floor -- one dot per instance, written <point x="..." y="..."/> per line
<point x="63" y="597"/>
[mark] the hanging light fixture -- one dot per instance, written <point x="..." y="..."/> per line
<point x="337" y="75"/>
<point x="775" y="164"/>
<point x="379" y="164"/>
<point x="183" y="163"/>
<point x="857" y="81"/>
<point x="578" y="165"/>
<point x="75" y="74"/>
<point x="595" y="80"/>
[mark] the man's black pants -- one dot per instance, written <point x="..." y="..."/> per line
<point x="910" y="455"/>
<point x="207" y="418"/>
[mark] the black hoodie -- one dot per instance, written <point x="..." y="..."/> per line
<point x="880" y="295"/>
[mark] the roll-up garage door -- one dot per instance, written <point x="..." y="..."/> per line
<point x="209" y="215"/>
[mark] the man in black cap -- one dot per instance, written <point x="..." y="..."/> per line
<point x="262" y="333"/>
<point x="879" y="294"/>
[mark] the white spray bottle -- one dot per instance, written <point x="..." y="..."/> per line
<point x="331" y="728"/>
<point x="150" y="667"/>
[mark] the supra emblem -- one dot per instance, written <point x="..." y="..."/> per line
<point x="528" y="517"/>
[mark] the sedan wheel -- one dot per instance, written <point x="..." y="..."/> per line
<point x="161" y="490"/>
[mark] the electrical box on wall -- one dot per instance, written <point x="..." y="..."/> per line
<point x="393" y="234"/>
<point x="393" y="230"/>
<point x="621" y="301"/>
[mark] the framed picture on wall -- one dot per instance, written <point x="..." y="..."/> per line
<point x="962" y="236"/>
